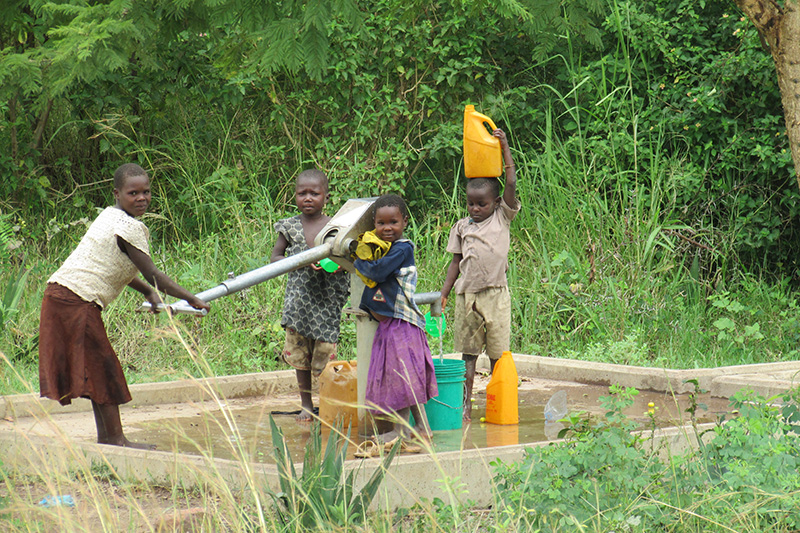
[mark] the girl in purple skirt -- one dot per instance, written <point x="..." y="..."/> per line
<point x="401" y="377"/>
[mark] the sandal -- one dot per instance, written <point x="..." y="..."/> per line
<point x="406" y="446"/>
<point x="368" y="449"/>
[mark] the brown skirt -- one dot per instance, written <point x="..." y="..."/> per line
<point x="76" y="359"/>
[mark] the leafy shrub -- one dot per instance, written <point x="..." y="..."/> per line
<point x="594" y="476"/>
<point x="602" y="477"/>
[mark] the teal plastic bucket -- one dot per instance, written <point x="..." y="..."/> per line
<point x="446" y="410"/>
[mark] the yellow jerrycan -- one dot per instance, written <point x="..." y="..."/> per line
<point x="338" y="395"/>
<point x="483" y="157"/>
<point x="502" y="400"/>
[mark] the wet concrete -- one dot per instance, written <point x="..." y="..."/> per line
<point x="239" y="428"/>
<point x="208" y="420"/>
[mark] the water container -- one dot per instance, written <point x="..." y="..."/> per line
<point x="483" y="157"/>
<point x="328" y="265"/>
<point x="446" y="410"/>
<point x="338" y="394"/>
<point x="556" y="407"/>
<point x="502" y="400"/>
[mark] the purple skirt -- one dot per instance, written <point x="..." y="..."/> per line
<point x="401" y="369"/>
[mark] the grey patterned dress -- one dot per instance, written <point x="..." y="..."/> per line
<point x="314" y="298"/>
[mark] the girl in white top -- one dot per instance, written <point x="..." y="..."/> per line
<point x="76" y="359"/>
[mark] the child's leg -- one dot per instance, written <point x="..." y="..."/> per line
<point x="496" y="308"/>
<point x="320" y="354"/>
<point x="102" y="433"/>
<point x="423" y="427"/>
<point x="109" y="424"/>
<point x="306" y="402"/>
<point x="400" y="426"/>
<point x="297" y="353"/>
<point x="469" y="338"/>
<point x="403" y="423"/>
<point x="469" y="380"/>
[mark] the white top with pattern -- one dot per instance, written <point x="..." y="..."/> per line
<point x="97" y="270"/>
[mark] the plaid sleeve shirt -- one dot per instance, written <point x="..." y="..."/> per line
<point x="396" y="275"/>
<point x="405" y="308"/>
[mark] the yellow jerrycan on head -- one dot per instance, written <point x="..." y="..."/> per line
<point x="338" y="395"/>
<point x="502" y="400"/>
<point x="483" y="157"/>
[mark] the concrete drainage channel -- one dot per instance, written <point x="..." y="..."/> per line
<point x="37" y="435"/>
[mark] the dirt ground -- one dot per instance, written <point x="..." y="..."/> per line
<point x="120" y="508"/>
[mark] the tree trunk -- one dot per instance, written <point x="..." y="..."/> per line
<point x="12" y="117"/>
<point x="38" y="134"/>
<point x="780" y="29"/>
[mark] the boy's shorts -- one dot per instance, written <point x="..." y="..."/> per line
<point x="303" y="353"/>
<point x="483" y="320"/>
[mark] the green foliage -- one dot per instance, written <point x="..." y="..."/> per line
<point x="727" y="326"/>
<point x="602" y="477"/>
<point x="10" y="302"/>
<point x="14" y="280"/>
<point x="322" y="496"/>
<point x="707" y="79"/>
<point x="758" y="448"/>
<point x="593" y="478"/>
<point x="632" y="226"/>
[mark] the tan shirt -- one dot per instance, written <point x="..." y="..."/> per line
<point x="484" y="249"/>
<point x="97" y="270"/>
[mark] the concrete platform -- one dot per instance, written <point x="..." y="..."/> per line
<point x="39" y="435"/>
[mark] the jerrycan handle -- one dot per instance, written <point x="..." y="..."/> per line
<point x="483" y="118"/>
<point x="338" y="366"/>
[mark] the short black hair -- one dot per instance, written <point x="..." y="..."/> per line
<point x="126" y="171"/>
<point x="314" y="174"/>
<point x="391" y="200"/>
<point x="493" y="184"/>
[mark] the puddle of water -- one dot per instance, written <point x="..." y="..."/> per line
<point x="245" y="432"/>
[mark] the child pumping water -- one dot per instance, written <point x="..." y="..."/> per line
<point x="401" y="376"/>
<point x="76" y="359"/>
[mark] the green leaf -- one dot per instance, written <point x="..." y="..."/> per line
<point x="724" y="324"/>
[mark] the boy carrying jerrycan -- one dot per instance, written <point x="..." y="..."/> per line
<point x="480" y="244"/>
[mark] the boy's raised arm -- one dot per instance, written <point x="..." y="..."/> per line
<point x="510" y="189"/>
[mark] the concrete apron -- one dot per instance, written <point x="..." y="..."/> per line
<point x="410" y="479"/>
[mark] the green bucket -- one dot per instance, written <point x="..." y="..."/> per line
<point x="446" y="410"/>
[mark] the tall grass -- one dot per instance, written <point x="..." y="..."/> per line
<point x="604" y="477"/>
<point x="604" y="262"/>
<point x="594" y="270"/>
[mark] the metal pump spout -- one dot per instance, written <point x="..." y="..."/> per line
<point x="342" y="231"/>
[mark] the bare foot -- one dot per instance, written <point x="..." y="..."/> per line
<point x="125" y="443"/>
<point x="304" y="415"/>
<point x="467" y="415"/>
<point x="383" y="438"/>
